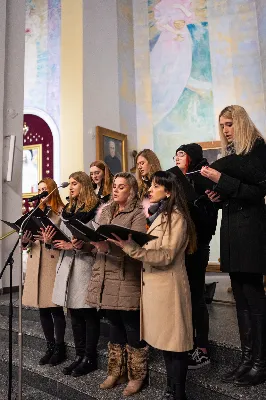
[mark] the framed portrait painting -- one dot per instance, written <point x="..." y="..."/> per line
<point x="211" y="150"/>
<point x="111" y="147"/>
<point x="31" y="170"/>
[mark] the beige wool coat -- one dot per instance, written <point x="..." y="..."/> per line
<point x="116" y="278"/>
<point x="166" y="318"/>
<point x="40" y="273"/>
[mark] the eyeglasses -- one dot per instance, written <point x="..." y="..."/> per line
<point x="179" y="154"/>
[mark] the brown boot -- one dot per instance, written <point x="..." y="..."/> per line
<point x="117" y="366"/>
<point x="137" y="366"/>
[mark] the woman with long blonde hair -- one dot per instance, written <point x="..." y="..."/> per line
<point x="243" y="235"/>
<point x="147" y="164"/>
<point x="115" y="287"/>
<point x="40" y="277"/>
<point x="102" y="179"/>
<point x="73" y="274"/>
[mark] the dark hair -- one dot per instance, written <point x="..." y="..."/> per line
<point x="177" y="200"/>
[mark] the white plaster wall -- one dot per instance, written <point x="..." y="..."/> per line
<point x="12" y="28"/>
<point x="100" y="63"/>
<point x="126" y="74"/>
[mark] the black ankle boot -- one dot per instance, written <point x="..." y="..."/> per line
<point x="49" y="352"/>
<point x="87" y="365"/>
<point x="257" y="374"/>
<point x="68" y="370"/>
<point x="244" y="325"/>
<point x="59" y="354"/>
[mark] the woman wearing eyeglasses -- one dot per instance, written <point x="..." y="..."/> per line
<point x="189" y="158"/>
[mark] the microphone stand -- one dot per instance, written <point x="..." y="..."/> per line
<point x="10" y="262"/>
<point x="20" y="341"/>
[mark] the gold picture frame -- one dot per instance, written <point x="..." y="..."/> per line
<point x="31" y="170"/>
<point x="111" y="147"/>
<point x="211" y="150"/>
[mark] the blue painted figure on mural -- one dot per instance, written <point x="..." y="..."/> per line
<point x="182" y="102"/>
<point x="171" y="57"/>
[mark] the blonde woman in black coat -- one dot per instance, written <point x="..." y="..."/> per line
<point x="243" y="235"/>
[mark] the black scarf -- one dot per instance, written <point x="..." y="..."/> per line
<point x="80" y="214"/>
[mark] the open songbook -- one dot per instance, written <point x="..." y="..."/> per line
<point x="30" y="224"/>
<point x="44" y="222"/>
<point x="102" y="232"/>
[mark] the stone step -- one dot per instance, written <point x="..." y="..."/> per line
<point x="203" y="384"/>
<point x="28" y="392"/>
<point x="221" y="350"/>
<point x="53" y="382"/>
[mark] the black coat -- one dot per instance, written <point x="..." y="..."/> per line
<point x="202" y="210"/>
<point x="243" y="226"/>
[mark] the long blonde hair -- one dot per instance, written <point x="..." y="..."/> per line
<point x="132" y="183"/>
<point x="245" y="131"/>
<point x="155" y="164"/>
<point x="87" y="197"/>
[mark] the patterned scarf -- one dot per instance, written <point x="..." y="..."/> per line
<point x="230" y="149"/>
<point x="154" y="210"/>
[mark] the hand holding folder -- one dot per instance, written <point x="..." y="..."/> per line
<point x="103" y="232"/>
<point x="44" y="222"/>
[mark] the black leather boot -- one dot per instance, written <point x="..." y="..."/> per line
<point x="244" y="325"/>
<point x="87" y="365"/>
<point x="49" y="352"/>
<point x="68" y="370"/>
<point x="59" y="354"/>
<point x="257" y="374"/>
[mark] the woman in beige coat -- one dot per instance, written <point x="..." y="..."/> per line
<point x="165" y="301"/>
<point x="40" y="276"/>
<point x="115" y="286"/>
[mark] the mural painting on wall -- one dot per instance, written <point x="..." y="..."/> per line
<point x="42" y="56"/>
<point x="182" y="101"/>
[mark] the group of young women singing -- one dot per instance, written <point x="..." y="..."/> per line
<point x="154" y="295"/>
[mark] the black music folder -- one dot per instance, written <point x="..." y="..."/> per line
<point x="44" y="222"/>
<point x="30" y="224"/>
<point x="103" y="232"/>
<point x="82" y="232"/>
<point x="138" y="237"/>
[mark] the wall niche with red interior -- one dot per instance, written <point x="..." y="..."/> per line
<point x="38" y="157"/>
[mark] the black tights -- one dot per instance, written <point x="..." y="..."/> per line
<point x="176" y="368"/>
<point x="196" y="265"/>
<point x="248" y="292"/>
<point x="86" y="330"/>
<point x="125" y="327"/>
<point x="53" y="324"/>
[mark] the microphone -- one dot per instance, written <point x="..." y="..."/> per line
<point x="38" y="196"/>
<point x="64" y="185"/>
